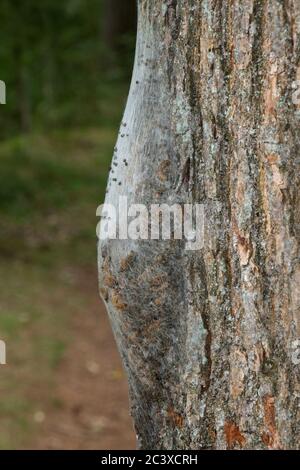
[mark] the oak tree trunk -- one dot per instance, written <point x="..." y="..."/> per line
<point x="207" y="337"/>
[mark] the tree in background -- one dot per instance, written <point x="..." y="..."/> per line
<point x="119" y="22"/>
<point x="208" y="337"/>
<point x="59" y="66"/>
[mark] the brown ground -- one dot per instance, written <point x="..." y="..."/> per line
<point x="91" y="386"/>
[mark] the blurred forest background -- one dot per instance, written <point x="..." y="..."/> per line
<point x="67" y="68"/>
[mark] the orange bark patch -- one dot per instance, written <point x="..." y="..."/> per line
<point x="271" y="93"/>
<point x="273" y="158"/>
<point x="109" y="280"/>
<point x="245" y="249"/>
<point x="104" y="293"/>
<point x="126" y="262"/>
<point x="117" y="300"/>
<point x="244" y="245"/>
<point x="176" y="418"/>
<point x="233" y="435"/>
<point x="237" y="373"/>
<point x="158" y="283"/>
<point x="270" y="437"/>
<point x="278" y="177"/>
<point x="152" y="329"/>
<point x="163" y="170"/>
<point x="267" y="439"/>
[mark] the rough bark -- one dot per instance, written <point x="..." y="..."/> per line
<point x="207" y="336"/>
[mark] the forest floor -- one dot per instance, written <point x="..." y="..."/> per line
<point x="63" y="386"/>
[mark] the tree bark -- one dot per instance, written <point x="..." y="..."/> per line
<point x="207" y="336"/>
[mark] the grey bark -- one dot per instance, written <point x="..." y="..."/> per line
<point x="207" y="337"/>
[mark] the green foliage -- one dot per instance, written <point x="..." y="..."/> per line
<point x="67" y="86"/>
<point x="50" y="187"/>
<point x="35" y="180"/>
<point x="58" y="69"/>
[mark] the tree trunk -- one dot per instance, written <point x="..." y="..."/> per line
<point x="119" y="19"/>
<point x="209" y="338"/>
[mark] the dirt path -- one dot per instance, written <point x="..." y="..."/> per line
<point x="91" y="405"/>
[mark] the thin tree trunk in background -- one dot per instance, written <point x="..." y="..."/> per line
<point x="119" y="19"/>
<point x="207" y="337"/>
<point x="23" y="94"/>
<point x="49" y="65"/>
